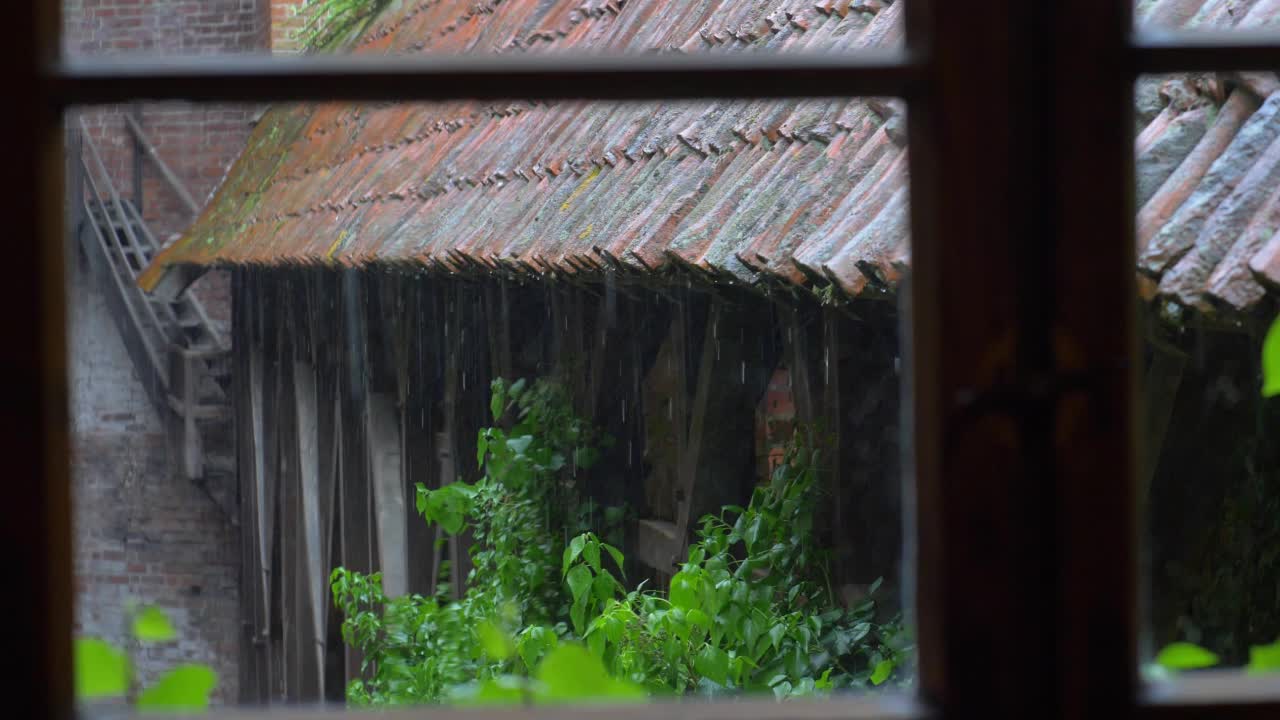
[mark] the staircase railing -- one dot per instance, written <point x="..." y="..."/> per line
<point x="178" y="352"/>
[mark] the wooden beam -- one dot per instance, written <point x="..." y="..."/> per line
<point x="796" y="356"/>
<point x="383" y="444"/>
<point x="287" y="569"/>
<point x="252" y="659"/>
<point x="262" y="508"/>
<point x="447" y="437"/>
<point x="314" y="539"/>
<point x="498" y="327"/>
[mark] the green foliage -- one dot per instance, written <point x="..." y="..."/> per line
<point x="1188" y="656"/>
<point x="185" y="687"/>
<point x="547" y="616"/>
<point x="748" y="610"/>
<point x="417" y="649"/>
<point x="328" y="21"/>
<point x="1271" y="361"/>
<point x="151" y="625"/>
<point x="568" y="674"/>
<point x="1185" y="656"/>
<point x="1264" y="658"/>
<point x="103" y="670"/>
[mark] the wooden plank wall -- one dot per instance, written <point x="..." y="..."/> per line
<point x="352" y="387"/>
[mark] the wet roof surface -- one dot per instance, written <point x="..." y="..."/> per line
<point x="804" y="192"/>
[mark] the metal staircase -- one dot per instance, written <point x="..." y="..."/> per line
<point x="182" y="360"/>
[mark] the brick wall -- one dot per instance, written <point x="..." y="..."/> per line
<point x="196" y="27"/>
<point x="286" y="23"/>
<point x="142" y="531"/>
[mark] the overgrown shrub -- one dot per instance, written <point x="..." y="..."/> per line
<point x="750" y="609"/>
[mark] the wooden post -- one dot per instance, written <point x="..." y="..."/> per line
<point x="288" y="570"/>
<point x="383" y="444"/>
<point x="446" y="439"/>
<point x="262" y="514"/>
<point x="314" y="578"/>
<point x="833" y="421"/>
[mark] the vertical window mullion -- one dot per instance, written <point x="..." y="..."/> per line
<point x="36" y="521"/>
<point x="1021" y="344"/>
<point x="1094" y="331"/>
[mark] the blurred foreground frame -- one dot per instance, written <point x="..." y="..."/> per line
<point x="1011" y="543"/>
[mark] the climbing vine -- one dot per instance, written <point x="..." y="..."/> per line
<point x="548" y="613"/>
<point x="327" y="21"/>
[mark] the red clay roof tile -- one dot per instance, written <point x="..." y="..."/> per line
<point x="798" y="191"/>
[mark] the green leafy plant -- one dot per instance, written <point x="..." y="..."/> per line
<point x="750" y="609"/>
<point x="105" y="671"/>
<point x="1180" y="656"/>
<point x="548" y="615"/>
<point x="1271" y="360"/>
<point x="519" y="513"/>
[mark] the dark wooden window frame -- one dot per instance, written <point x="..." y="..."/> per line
<point x="1023" y="342"/>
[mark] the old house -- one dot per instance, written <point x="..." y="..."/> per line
<point x="674" y="264"/>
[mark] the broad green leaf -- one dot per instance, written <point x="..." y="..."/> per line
<point x="761" y="646"/>
<point x="571" y="672"/>
<point x="796" y="661"/>
<point x="751" y="535"/>
<point x="775" y="634"/>
<point x="579" y="581"/>
<point x="595" y="643"/>
<point x="683" y="590"/>
<point x="184" y="688"/>
<point x="602" y="587"/>
<point x="498" y="400"/>
<point x="482" y="448"/>
<point x="613" y="628"/>
<point x="501" y="690"/>
<point x="497" y="644"/>
<point x="101" y="669"/>
<point x="712" y="662"/>
<point x="698" y="618"/>
<point x="520" y="444"/>
<point x="572" y="552"/>
<point x="151" y="625"/>
<point x="534" y="642"/>
<point x="578" y="614"/>
<point x="1264" y="658"/>
<point x="1271" y="361"/>
<point x="616" y="554"/>
<point x="450" y="520"/>
<point x="883" y="670"/>
<point x="448" y="506"/>
<point x="591" y="551"/>
<point x="1185" y="656"/>
<point x="420" y="501"/>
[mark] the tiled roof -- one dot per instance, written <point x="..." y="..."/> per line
<point x="806" y="192"/>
